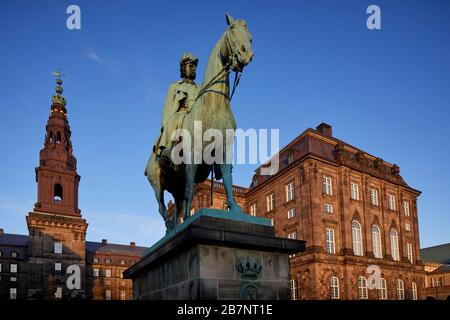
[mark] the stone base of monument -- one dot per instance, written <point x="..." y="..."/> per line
<point x="216" y="255"/>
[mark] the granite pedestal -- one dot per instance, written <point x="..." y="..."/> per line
<point x="216" y="255"/>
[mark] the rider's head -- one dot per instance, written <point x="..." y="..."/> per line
<point x="188" y="66"/>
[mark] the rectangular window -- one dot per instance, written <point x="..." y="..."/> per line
<point x="14" y="254"/>
<point x="1" y="267"/>
<point x="294" y="289"/>
<point x="96" y="272"/>
<point x="108" y="295"/>
<point x="290" y="191"/>
<point x="330" y="241"/>
<point x="270" y="202"/>
<point x="253" y="209"/>
<point x="354" y="191"/>
<point x="58" y="293"/>
<point x="409" y="250"/>
<point x="406" y="208"/>
<point x="13" y="279"/>
<point x="13" y="293"/>
<point x="328" y="208"/>
<point x="292" y="235"/>
<point x="391" y="202"/>
<point x="327" y="187"/>
<point x="120" y="274"/>
<point x="291" y="213"/>
<point x="408" y="227"/>
<point x="13" y="268"/>
<point x="414" y="291"/>
<point x="57" y="266"/>
<point x="123" y="295"/>
<point x="374" y="197"/>
<point x="95" y="260"/>
<point x="108" y="273"/>
<point x="58" y="247"/>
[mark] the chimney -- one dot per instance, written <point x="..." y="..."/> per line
<point x="132" y="244"/>
<point x="1" y="231"/>
<point x="325" y="129"/>
<point x="104" y="242"/>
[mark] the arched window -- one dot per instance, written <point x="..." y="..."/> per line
<point x="334" y="286"/>
<point x="400" y="290"/>
<point x="51" y="136"/>
<point x="357" y="239"/>
<point x="362" y="288"/>
<point x="58" y="193"/>
<point x="414" y="291"/>
<point x="58" y="137"/>
<point x="382" y="289"/>
<point x="376" y="242"/>
<point x="394" y="245"/>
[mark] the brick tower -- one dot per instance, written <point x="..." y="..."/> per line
<point x="57" y="230"/>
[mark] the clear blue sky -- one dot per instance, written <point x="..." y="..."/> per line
<point x="386" y="92"/>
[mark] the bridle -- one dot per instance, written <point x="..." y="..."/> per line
<point x="226" y="68"/>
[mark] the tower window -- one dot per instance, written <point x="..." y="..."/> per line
<point x="58" y="137"/>
<point x="51" y="136"/>
<point x="58" y="193"/>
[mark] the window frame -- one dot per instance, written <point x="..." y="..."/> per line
<point x="374" y="196"/>
<point x="328" y="208"/>
<point x="391" y="201"/>
<point x="400" y="289"/>
<point x="253" y="209"/>
<point x="291" y="213"/>
<point x="414" y="290"/>
<point x="57" y="247"/>
<point x="290" y="191"/>
<point x="376" y="242"/>
<point x="354" y="191"/>
<point x="410" y="253"/>
<point x="270" y="202"/>
<point x="11" y="265"/>
<point x="12" y="293"/>
<point x="406" y="208"/>
<point x="327" y="185"/>
<point x="330" y="241"/>
<point x="357" y="241"/>
<point x="382" y="290"/>
<point x="334" y="288"/>
<point x="363" y="293"/>
<point x="395" y="251"/>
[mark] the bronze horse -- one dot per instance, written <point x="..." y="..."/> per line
<point x="212" y="108"/>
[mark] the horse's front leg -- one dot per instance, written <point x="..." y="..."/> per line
<point x="225" y="169"/>
<point x="189" y="189"/>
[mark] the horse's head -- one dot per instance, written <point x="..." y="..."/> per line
<point x="239" y="42"/>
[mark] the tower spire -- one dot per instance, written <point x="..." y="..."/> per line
<point x="58" y="101"/>
<point x="56" y="175"/>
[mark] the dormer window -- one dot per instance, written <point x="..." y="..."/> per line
<point x="290" y="157"/>
<point x="58" y="193"/>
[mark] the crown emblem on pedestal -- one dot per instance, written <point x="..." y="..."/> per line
<point x="249" y="267"/>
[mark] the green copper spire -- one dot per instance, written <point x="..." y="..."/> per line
<point x="58" y="98"/>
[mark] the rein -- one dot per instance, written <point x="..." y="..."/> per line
<point x="226" y="67"/>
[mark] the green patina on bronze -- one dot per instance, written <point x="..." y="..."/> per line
<point x="209" y="104"/>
